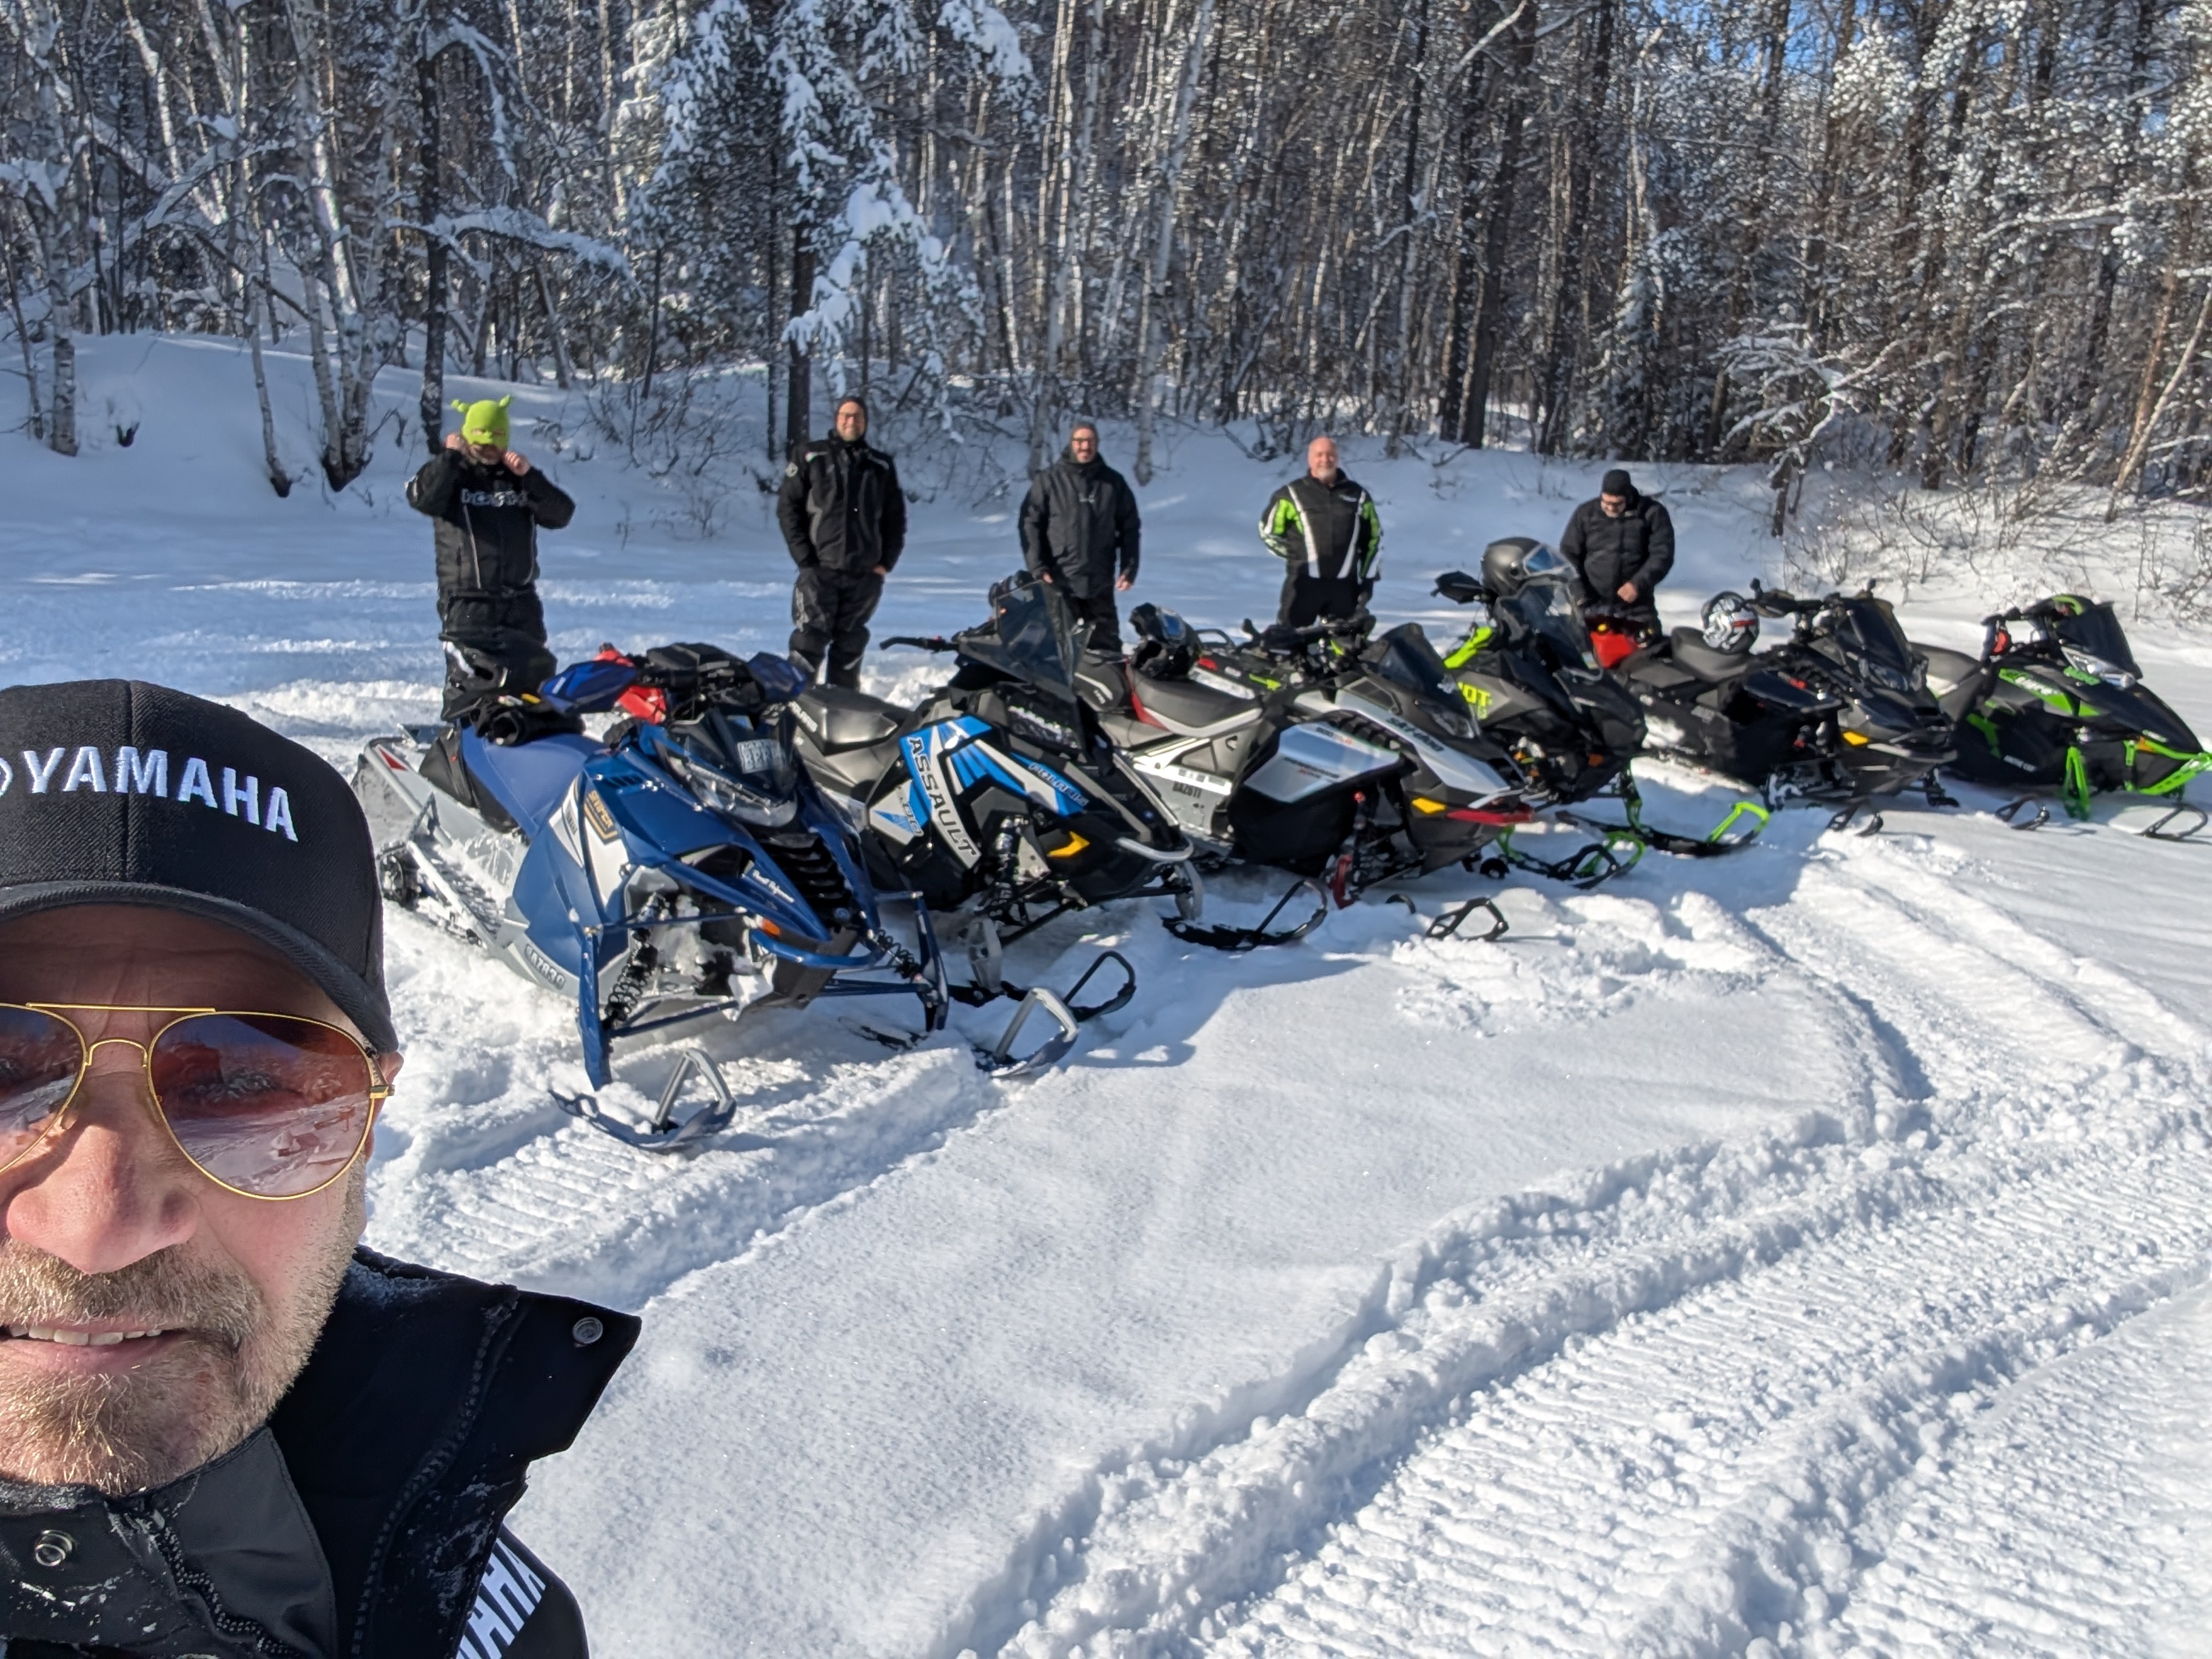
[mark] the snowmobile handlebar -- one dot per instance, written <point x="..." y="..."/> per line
<point x="1358" y="625"/>
<point x="922" y="642"/>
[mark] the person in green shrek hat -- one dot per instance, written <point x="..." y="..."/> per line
<point x="489" y="503"/>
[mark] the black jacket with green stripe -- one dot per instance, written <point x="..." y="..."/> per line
<point x="1326" y="532"/>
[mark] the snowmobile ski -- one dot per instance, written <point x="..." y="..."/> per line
<point x="1857" y="819"/>
<point x="665" y="1132"/>
<point x="1589" y="866"/>
<point x="978" y="996"/>
<point x="1724" y="837"/>
<point x="2014" y="813"/>
<point x="1220" y="937"/>
<point x="1000" y="1062"/>
<point x="1448" y="925"/>
<point x="2162" y="830"/>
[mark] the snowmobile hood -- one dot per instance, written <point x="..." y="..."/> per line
<point x="529" y="779"/>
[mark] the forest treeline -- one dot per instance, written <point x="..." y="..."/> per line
<point x="1959" y="238"/>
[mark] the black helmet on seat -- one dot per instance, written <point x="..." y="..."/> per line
<point x="1508" y="564"/>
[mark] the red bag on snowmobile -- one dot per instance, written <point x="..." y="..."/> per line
<point x="1612" y="645"/>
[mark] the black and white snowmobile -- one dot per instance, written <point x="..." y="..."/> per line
<point x="2056" y="704"/>
<point x="1840" y="716"/>
<point x="1528" y="667"/>
<point x="998" y="796"/>
<point x="1343" y="760"/>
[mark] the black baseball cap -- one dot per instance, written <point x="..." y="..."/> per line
<point x="115" y="792"/>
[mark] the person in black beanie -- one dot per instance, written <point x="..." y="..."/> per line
<point x="1621" y="546"/>
<point x="226" y="1431"/>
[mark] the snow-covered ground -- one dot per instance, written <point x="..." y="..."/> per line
<point x="1802" y="1252"/>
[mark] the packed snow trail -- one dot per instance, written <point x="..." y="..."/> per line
<point x="1683" y="1421"/>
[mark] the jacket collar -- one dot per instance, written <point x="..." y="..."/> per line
<point x="362" y="1518"/>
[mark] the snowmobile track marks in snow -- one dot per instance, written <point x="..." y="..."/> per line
<point x="1690" y="1415"/>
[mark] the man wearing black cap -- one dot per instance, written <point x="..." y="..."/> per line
<point x="844" y="520"/>
<point x="1621" y="546"/>
<point x="224" y="1429"/>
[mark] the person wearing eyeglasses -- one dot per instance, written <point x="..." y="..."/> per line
<point x="226" y="1429"/>
<point x="1621" y="545"/>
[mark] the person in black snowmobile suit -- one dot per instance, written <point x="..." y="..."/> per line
<point x="1621" y="545"/>
<point x="227" y="1432"/>
<point x="844" y="519"/>
<point x="489" y="502"/>
<point x="1326" y="529"/>
<point x="1080" y="530"/>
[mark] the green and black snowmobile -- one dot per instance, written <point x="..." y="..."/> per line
<point x="2058" y="707"/>
<point x="1528" y="668"/>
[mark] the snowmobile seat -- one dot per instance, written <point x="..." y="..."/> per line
<point x="1102" y="680"/>
<point x="840" y="719"/>
<point x="1191" y="710"/>
<point x="529" y="779"/>
<point x="1691" y="652"/>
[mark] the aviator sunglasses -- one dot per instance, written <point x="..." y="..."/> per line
<point x="272" y="1106"/>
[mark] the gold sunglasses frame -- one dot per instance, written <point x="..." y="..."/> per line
<point x="380" y="1090"/>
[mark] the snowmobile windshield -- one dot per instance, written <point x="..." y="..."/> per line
<point x="1545" y="610"/>
<point x="1032" y="636"/>
<point x="2095" y="631"/>
<point x="1874" y="644"/>
<point x="1405" y="657"/>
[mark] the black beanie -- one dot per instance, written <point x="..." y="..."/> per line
<point x="1616" y="483"/>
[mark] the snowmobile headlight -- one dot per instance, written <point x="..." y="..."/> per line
<point x="2089" y="662"/>
<point x="1456" y="720"/>
<point x="734" y="800"/>
<point x="1894" y="677"/>
<point x="1028" y="723"/>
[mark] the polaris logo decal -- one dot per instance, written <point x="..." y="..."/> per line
<point x="148" y="773"/>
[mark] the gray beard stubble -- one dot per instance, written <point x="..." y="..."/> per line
<point x="131" y="1430"/>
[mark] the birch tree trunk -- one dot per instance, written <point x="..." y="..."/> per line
<point x="1155" y="288"/>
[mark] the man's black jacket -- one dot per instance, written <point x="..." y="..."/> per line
<point x="1637" y="547"/>
<point x="364" y="1522"/>
<point x="488" y="524"/>
<point x="1079" y="525"/>
<point x="841" y="508"/>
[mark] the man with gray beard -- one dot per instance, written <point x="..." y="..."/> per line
<point x="226" y="1430"/>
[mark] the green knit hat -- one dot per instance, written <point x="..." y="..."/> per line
<point x="485" y="421"/>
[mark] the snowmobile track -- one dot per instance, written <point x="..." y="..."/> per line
<point x="1685" y="1414"/>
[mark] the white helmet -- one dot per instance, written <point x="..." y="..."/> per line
<point x="1729" y="623"/>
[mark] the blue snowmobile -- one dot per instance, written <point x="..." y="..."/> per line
<point x="642" y="876"/>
